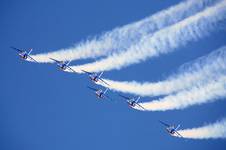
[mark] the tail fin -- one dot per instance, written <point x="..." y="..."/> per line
<point x="138" y="98"/>
<point x="100" y="74"/>
<point x="177" y="127"/>
<point x="68" y="62"/>
<point x="106" y="90"/>
<point x="30" y="51"/>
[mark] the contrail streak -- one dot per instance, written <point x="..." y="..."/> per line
<point x="122" y="38"/>
<point x="199" y="94"/>
<point x="199" y="71"/>
<point x="163" y="41"/>
<point x="211" y="131"/>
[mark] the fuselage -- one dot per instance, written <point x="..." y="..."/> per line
<point x="62" y="66"/>
<point x="171" y="130"/>
<point x="23" y="55"/>
<point x="131" y="103"/>
<point x="94" y="78"/>
<point x="99" y="93"/>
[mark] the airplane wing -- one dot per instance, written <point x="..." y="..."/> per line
<point x="178" y="134"/>
<point x="140" y="106"/>
<point x="124" y="97"/>
<point x="57" y="61"/>
<point x="86" y="72"/>
<point x="18" y="50"/>
<point x="32" y="58"/>
<point x="91" y="88"/>
<point x="165" y="124"/>
<point x="71" y="69"/>
<point x="104" y="81"/>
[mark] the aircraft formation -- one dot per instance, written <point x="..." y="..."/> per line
<point x="100" y="93"/>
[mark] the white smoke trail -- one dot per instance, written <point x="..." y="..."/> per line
<point x="204" y="69"/>
<point x="211" y="131"/>
<point x="199" y="94"/>
<point x="163" y="41"/>
<point x="122" y="38"/>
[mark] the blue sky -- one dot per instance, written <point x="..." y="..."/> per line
<point x="44" y="108"/>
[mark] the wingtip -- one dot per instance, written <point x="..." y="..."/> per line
<point x="12" y="47"/>
<point x="120" y="95"/>
<point x="160" y="121"/>
<point x="53" y="60"/>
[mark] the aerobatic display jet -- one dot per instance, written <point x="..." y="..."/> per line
<point x="171" y="129"/>
<point x="95" y="77"/>
<point x="25" y="55"/>
<point x="63" y="65"/>
<point x="100" y="93"/>
<point x="132" y="102"/>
